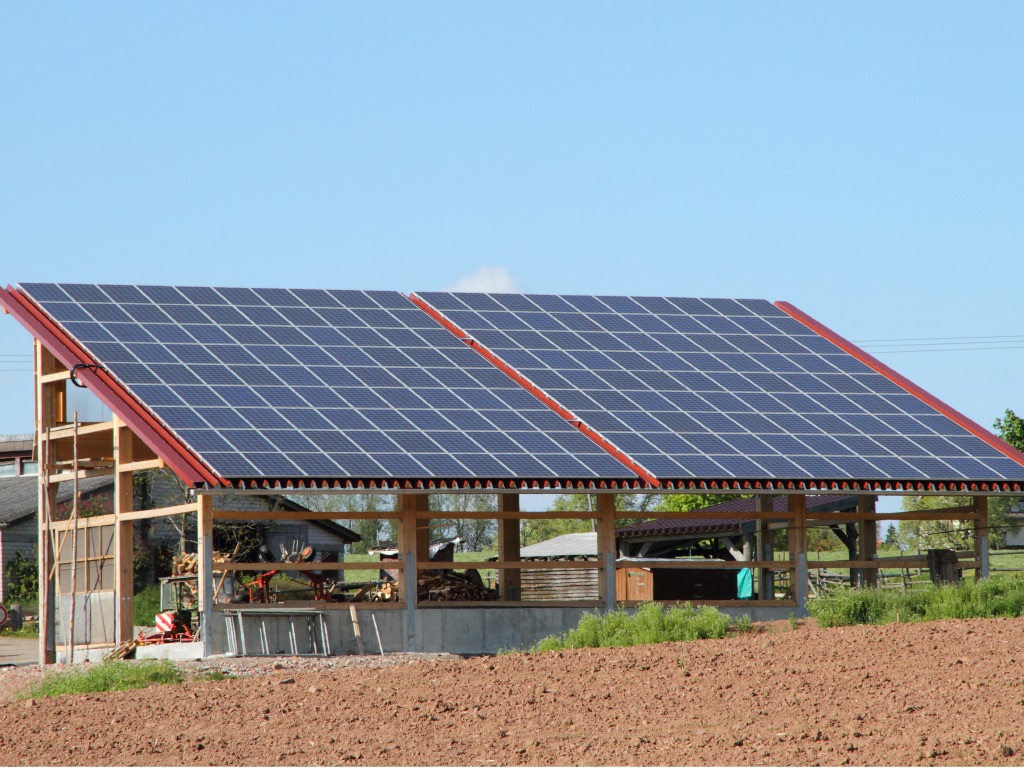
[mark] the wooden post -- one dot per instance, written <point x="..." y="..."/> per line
<point x="867" y="539"/>
<point x="204" y="528"/>
<point x="606" y="547"/>
<point x="124" y="533"/>
<point x="797" y="505"/>
<point x="981" y="537"/>
<point x="409" y="540"/>
<point x="509" y="544"/>
<point x="765" y="551"/>
<point x="74" y="549"/>
<point x="49" y="412"/>
<point x="353" y="614"/>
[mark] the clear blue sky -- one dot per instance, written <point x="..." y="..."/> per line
<point x="862" y="161"/>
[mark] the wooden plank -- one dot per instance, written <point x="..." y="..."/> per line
<point x="67" y="477"/>
<point x="506" y="604"/>
<point x="706" y="565"/>
<point x="320" y="605"/>
<point x="50" y="378"/>
<point x="553" y="565"/>
<point x="947" y="513"/>
<point x="85" y="522"/>
<point x="717" y="603"/>
<point x="371" y="566"/>
<point x="140" y="466"/>
<point x="248" y="514"/>
<point x="147" y="514"/>
<point x="67" y="432"/>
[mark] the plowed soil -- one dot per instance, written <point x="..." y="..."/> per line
<point x="941" y="693"/>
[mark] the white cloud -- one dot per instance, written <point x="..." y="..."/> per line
<point x="487" y="280"/>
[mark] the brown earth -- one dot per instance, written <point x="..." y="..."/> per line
<point x="941" y="693"/>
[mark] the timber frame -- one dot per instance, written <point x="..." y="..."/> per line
<point x="69" y="450"/>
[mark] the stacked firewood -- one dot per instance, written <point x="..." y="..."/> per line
<point x="451" y="586"/>
<point x="188" y="564"/>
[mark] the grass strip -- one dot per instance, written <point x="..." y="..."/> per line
<point x="651" y="623"/>
<point x="985" y="599"/>
<point x="108" y="676"/>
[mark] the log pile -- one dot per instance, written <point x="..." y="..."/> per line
<point x="188" y="564"/>
<point x="451" y="586"/>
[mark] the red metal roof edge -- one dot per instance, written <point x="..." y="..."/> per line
<point x="107" y="389"/>
<point x="971" y="426"/>
<point x="537" y="392"/>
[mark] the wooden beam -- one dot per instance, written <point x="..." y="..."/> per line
<point x="765" y="551"/>
<point x="867" y="539"/>
<point x="797" y="505"/>
<point x="205" y="576"/>
<point x="67" y="432"/>
<point x="51" y="378"/>
<point x="705" y="565"/>
<point x="349" y="566"/>
<point x="509" y="544"/>
<point x="84" y="522"/>
<point x="410" y="504"/>
<point x="981" y="536"/>
<point x="147" y="514"/>
<point x="606" y="548"/>
<point x="140" y="466"/>
<point x="124" y="536"/>
<point x="67" y="477"/>
<point x="48" y="407"/>
<point x="249" y="514"/>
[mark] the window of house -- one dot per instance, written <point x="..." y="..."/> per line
<point x="8" y="468"/>
<point x="29" y="467"/>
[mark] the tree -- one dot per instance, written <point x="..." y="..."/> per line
<point x="1011" y="429"/>
<point x="475" y="535"/>
<point x="372" y="532"/>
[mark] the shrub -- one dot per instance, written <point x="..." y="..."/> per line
<point x="23" y="579"/>
<point x="147" y="606"/>
<point x="652" y="623"/>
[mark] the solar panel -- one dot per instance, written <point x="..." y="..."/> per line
<point x="758" y="393"/>
<point x="317" y="383"/>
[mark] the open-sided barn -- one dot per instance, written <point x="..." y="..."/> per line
<point x="289" y="391"/>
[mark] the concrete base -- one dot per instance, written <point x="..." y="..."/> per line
<point x="437" y="630"/>
<point x="171" y="651"/>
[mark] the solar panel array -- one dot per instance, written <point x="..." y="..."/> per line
<point x="720" y="388"/>
<point x="319" y="383"/>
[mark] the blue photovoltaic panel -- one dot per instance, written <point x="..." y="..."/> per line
<point x="721" y="388"/>
<point x="320" y="384"/>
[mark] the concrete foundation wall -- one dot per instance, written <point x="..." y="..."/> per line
<point x="451" y="630"/>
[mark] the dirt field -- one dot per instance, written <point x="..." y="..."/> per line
<point x="940" y="693"/>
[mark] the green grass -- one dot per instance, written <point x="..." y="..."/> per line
<point x="652" y="623"/>
<point x="109" y="676"/>
<point x="28" y="630"/>
<point x="989" y="598"/>
<point x="147" y="606"/>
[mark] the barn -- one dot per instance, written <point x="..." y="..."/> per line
<point x="244" y="391"/>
